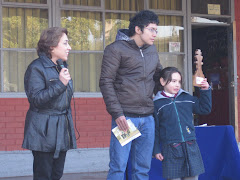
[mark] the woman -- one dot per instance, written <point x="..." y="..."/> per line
<point x="49" y="130"/>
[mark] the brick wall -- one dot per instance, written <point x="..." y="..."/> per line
<point x="93" y="122"/>
<point x="237" y="18"/>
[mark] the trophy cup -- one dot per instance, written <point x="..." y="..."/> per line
<point x="198" y="75"/>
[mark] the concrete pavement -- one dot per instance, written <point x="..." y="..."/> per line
<point x="78" y="176"/>
<point x="85" y="160"/>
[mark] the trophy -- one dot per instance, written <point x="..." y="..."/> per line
<point x="198" y="75"/>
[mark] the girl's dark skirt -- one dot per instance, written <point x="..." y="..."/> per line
<point x="182" y="160"/>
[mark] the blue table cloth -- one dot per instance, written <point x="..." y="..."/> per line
<point x="219" y="151"/>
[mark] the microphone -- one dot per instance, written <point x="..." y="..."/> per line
<point x="60" y="63"/>
<point x="60" y="66"/>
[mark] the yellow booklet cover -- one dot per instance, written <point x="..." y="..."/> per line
<point x="126" y="137"/>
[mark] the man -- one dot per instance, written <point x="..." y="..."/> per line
<point x="126" y="82"/>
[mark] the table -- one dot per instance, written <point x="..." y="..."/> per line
<point x="219" y="151"/>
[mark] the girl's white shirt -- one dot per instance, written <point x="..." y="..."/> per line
<point x="168" y="94"/>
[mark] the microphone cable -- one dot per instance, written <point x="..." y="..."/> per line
<point x="75" y="115"/>
<point x="61" y="65"/>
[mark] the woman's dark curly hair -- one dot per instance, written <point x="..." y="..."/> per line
<point x="142" y="19"/>
<point x="50" y="38"/>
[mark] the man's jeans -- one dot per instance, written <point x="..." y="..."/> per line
<point x="141" y="151"/>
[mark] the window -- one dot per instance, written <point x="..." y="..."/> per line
<point x="92" y="25"/>
<point x="15" y="64"/>
<point x="85" y="29"/>
<point x="114" y="22"/>
<point x="201" y="7"/>
<point x="21" y="29"/>
<point x="170" y="29"/>
<point x="27" y="1"/>
<point x="85" y="71"/>
<point x="86" y="40"/>
<point x="127" y="5"/>
<point x="83" y="3"/>
<point x="165" y="4"/>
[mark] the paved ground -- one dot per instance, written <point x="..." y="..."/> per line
<point x="79" y="176"/>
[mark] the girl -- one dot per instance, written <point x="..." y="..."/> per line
<point x="174" y="127"/>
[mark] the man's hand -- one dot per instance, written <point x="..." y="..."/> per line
<point x="159" y="156"/>
<point x="122" y="123"/>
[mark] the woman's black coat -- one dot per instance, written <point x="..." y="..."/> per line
<point x="48" y="125"/>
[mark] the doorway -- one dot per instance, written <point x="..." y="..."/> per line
<point x="213" y="42"/>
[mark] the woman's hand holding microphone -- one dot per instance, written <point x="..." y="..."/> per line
<point x="64" y="76"/>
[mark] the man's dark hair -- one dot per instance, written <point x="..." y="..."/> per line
<point x="142" y="19"/>
<point x="50" y="38"/>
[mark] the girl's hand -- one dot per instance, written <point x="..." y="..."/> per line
<point x="159" y="156"/>
<point x="204" y="84"/>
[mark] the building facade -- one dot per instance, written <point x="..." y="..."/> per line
<point x="185" y="25"/>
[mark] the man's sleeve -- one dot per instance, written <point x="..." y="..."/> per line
<point x="156" y="148"/>
<point x="110" y="64"/>
<point x="156" y="77"/>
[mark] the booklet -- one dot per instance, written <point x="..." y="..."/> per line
<point x="126" y="137"/>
